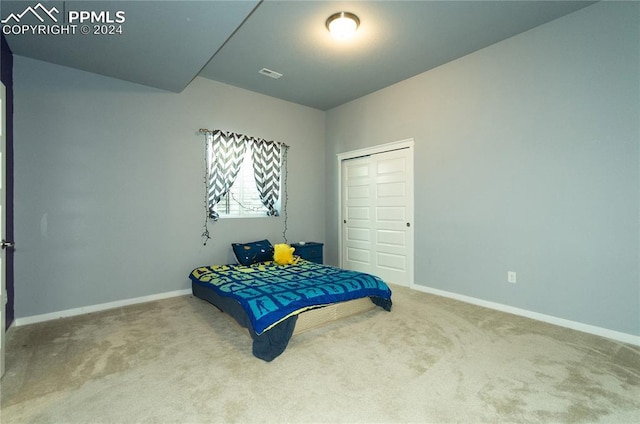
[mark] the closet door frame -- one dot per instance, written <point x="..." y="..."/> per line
<point x="382" y="148"/>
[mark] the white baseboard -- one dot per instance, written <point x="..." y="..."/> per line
<point x="96" y="308"/>
<point x="585" y="328"/>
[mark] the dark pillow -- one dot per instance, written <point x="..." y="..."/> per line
<point x="250" y="253"/>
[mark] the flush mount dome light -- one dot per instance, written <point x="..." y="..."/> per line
<point x="342" y="25"/>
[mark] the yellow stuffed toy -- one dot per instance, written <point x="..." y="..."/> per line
<point x="283" y="254"/>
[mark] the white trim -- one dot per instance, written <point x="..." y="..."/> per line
<point x="381" y="148"/>
<point x="585" y="328"/>
<point x="97" y="308"/>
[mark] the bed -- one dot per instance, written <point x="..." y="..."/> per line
<point x="269" y="299"/>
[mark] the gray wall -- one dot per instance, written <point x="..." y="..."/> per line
<point x="527" y="160"/>
<point x="108" y="183"/>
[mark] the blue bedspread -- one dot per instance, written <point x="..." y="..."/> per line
<point x="270" y="293"/>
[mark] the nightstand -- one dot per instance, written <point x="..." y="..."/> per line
<point x="310" y="251"/>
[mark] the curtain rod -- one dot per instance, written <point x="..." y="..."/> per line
<point x="206" y="130"/>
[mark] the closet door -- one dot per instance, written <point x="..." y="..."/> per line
<point x="392" y="226"/>
<point x="357" y="215"/>
<point x="377" y="199"/>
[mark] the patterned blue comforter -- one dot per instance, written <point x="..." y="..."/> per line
<point x="270" y="293"/>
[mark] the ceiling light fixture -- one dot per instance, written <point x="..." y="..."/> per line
<point x="342" y="25"/>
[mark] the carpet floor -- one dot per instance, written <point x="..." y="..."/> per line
<point x="429" y="360"/>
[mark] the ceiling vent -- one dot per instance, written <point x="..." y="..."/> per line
<point x="270" y="73"/>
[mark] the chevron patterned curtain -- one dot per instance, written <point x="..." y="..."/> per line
<point x="225" y="151"/>
<point x="267" y="157"/>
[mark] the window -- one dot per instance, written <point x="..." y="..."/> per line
<point x="243" y="198"/>
<point x="243" y="175"/>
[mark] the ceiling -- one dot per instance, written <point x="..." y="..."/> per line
<point x="165" y="44"/>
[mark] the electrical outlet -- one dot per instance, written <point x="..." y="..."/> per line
<point x="511" y="277"/>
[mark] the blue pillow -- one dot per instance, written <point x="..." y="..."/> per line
<point x="250" y="253"/>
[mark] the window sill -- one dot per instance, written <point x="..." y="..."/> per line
<point x="245" y="216"/>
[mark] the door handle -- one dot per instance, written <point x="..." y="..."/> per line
<point x="7" y="245"/>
